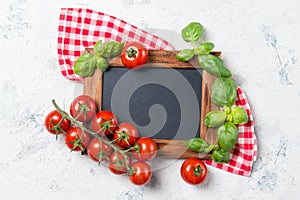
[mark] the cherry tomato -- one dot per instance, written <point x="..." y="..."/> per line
<point x="53" y="119"/>
<point x="83" y="108"/>
<point x="145" y="149"/>
<point x="125" y="135"/>
<point x="104" y="122"/>
<point x="94" y="148"/>
<point x="117" y="163"/>
<point x="193" y="171"/>
<point x="141" y="173"/>
<point x="134" y="54"/>
<point x="75" y="140"/>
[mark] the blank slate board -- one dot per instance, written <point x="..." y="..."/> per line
<point x="150" y="94"/>
<point x="100" y="87"/>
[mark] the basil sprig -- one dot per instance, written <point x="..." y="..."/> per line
<point x="86" y="64"/>
<point x="223" y="94"/>
<point x="210" y="63"/>
<point x="199" y="145"/>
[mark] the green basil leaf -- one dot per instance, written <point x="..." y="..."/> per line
<point x="204" y="48"/>
<point x="213" y="65"/>
<point x="239" y="115"/>
<point x="215" y="118"/>
<point x="112" y="49"/>
<point x="85" y="65"/>
<point x="223" y="92"/>
<point x="221" y="156"/>
<point x="98" y="48"/>
<point x="101" y="63"/>
<point x="196" y="144"/>
<point x="227" y="136"/>
<point x="185" y="55"/>
<point x="192" y="32"/>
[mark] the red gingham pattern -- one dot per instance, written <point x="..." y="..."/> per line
<point x="81" y="28"/>
<point x="245" y="151"/>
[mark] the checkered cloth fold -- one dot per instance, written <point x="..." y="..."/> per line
<point x="81" y="28"/>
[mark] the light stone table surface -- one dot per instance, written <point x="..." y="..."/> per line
<point x="260" y="44"/>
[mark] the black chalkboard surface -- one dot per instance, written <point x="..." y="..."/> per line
<point x="169" y="107"/>
<point x="152" y="93"/>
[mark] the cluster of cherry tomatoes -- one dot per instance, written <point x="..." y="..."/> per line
<point x="105" y="140"/>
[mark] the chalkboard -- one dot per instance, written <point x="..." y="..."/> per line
<point x="112" y="88"/>
<point x="150" y="94"/>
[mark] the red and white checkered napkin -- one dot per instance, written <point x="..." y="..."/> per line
<point x="81" y="28"/>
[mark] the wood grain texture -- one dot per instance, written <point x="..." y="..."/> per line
<point x="93" y="87"/>
<point x="166" y="59"/>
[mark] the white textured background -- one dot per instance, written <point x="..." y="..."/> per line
<point x="260" y="44"/>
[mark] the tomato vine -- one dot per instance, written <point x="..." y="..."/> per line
<point x="95" y="135"/>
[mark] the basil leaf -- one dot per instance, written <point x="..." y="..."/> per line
<point x="239" y="115"/>
<point x="204" y="48"/>
<point x="213" y="65"/>
<point x="221" y="156"/>
<point x="215" y="118"/>
<point x="227" y="136"/>
<point x="192" y="32"/>
<point x="85" y="65"/>
<point x="112" y="49"/>
<point x="223" y="92"/>
<point x="196" y="144"/>
<point x="101" y="63"/>
<point x="98" y="48"/>
<point x="185" y="55"/>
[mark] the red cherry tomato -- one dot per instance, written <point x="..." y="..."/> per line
<point x="142" y="173"/>
<point x="94" y="148"/>
<point x="117" y="163"/>
<point x="125" y="135"/>
<point x="134" y="54"/>
<point x="75" y="140"/>
<point x="193" y="171"/>
<point x="83" y="108"/>
<point x="53" y="119"/>
<point x="104" y="122"/>
<point x="145" y="149"/>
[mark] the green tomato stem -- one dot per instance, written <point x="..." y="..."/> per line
<point x="131" y="52"/>
<point x="129" y="149"/>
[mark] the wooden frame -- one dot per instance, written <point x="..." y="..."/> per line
<point x="161" y="58"/>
